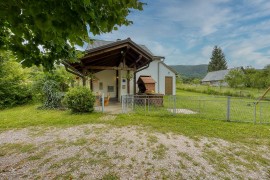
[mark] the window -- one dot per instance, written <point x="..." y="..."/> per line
<point x="101" y="86"/>
<point x="110" y="88"/>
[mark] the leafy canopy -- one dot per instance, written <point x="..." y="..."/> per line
<point x="44" y="32"/>
<point x="217" y="61"/>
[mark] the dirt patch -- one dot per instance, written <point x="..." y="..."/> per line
<point x="98" y="151"/>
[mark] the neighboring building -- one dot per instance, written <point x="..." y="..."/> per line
<point x="114" y="67"/>
<point x="216" y="78"/>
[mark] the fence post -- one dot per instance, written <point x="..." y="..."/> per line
<point x="148" y="106"/>
<point x="102" y="102"/>
<point x="260" y="114"/>
<point x="228" y="108"/>
<point x="255" y="110"/>
<point x="123" y="111"/>
<point x="145" y="105"/>
<point x="133" y="102"/>
<point x="174" y="104"/>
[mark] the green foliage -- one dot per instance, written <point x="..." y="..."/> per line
<point x="250" y="78"/>
<point x="235" y="78"/>
<point x="217" y="61"/>
<point x="57" y="79"/>
<point x="266" y="73"/>
<point x="80" y="99"/>
<point x="14" y="86"/>
<point x="52" y="95"/>
<point x="196" y="81"/>
<point x="44" y="32"/>
<point x="191" y="71"/>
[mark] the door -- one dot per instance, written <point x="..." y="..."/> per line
<point x="168" y="85"/>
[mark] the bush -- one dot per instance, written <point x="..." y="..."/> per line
<point x="52" y="95"/>
<point x="14" y="86"/>
<point x="79" y="99"/>
<point x="49" y="87"/>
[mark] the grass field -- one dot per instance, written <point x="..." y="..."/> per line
<point x="217" y="107"/>
<point x="189" y="125"/>
<point x="227" y="91"/>
<point x="145" y="145"/>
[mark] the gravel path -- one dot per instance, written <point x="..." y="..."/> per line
<point x="103" y="151"/>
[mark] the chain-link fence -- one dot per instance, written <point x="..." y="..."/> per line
<point x="210" y="107"/>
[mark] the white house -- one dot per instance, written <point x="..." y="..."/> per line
<point x="114" y="67"/>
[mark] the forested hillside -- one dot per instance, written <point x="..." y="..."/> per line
<point x="191" y="71"/>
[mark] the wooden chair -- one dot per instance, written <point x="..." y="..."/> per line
<point x="106" y="100"/>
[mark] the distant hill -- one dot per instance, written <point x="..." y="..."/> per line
<point x="191" y="71"/>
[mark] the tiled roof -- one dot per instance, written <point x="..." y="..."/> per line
<point x="147" y="79"/>
<point x="100" y="43"/>
<point x="216" y="75"/>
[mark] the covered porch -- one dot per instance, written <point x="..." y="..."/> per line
<point x="111" y="69"/>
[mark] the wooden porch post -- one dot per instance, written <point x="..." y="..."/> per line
<point x="91" y="84"/>
<point x="84" y="77"/>
<point x="128" y="82"/>
<point x="134" y="81"/>
<point x="117" y="81"/>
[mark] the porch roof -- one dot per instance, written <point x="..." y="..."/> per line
<point x="122" y="54"/>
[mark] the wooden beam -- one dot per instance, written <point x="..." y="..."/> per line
<point x="108" y="68"/>
<point x="263" y="96"/>
<point x="91" y="54"/>
<point x="101" y="56"/>
<point x="123" y="59"/>
<point x="134" y="64"/>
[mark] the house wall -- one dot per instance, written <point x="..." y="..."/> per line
<point x="123" y="84"/>
<point x="107" y="78"/>
<point x="158" y="72"/>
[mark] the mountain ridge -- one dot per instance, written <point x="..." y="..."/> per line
<point x="191" y="71"/>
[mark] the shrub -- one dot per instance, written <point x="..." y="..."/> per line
<point x="14" y="87"/>
<point x="58" y="79"/>
<point x="52" y="95"/>
<point x="79" y="99"/>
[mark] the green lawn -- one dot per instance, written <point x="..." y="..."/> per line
<point x="243" y="152"/>
<point x="29" y="115"/>
<point x="242" y="92"/>
<point x="189" y="125"/>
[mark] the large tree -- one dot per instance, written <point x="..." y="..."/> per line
<point x="217" y="61"/>
<point x="44" y="32"/>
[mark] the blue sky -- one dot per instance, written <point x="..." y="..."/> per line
<point x="185" y="31"/>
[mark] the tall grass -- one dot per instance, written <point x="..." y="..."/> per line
<point x="222" y="91"/>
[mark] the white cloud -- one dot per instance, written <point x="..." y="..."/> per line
<point x="205" y="16"/>
<point x="207" y="51"/>
<point x="186" y="31"/>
